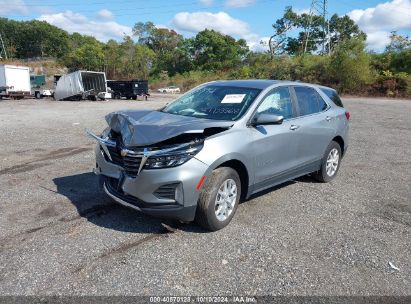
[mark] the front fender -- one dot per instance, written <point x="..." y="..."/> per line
<point x="230" y="145"/>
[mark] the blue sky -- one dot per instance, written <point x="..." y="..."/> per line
<point x="248" y="19"/>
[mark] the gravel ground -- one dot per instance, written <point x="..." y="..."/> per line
<point x="60" y="235"/>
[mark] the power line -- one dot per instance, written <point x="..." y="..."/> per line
<point x="106" y="3"/>
<point x="136" y="11"/>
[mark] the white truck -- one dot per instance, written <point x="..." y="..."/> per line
<point x="81" y="85"/>
<point x="14" y="81"/>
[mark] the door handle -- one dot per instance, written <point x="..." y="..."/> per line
<point x="328" y="118"/>
<point x="294" y="127"/>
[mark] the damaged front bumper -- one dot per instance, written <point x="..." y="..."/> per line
<point x="168" y="192"/>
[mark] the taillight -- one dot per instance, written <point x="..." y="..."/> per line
<point x="347" y="115"/>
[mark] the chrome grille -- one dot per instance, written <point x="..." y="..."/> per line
<point x="130" y="164"/>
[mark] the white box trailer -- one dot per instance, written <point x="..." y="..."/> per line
<point x="14" y="81"/>
<point x="81" y="85"/>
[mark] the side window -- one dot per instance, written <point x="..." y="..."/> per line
<point x="278" y="102"/>
<point x="309" y="101"/>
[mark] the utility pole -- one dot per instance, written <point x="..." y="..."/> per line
<point x="319" y="8"/>
<point x="3" y="48"/>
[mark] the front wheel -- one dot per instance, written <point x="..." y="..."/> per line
<point x="330" y="163"/>
<point x="219" y="199"/>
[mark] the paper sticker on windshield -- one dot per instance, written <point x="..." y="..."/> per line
<point x="233" y="98"/>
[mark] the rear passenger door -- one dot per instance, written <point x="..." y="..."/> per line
<point x="315" y="128"/>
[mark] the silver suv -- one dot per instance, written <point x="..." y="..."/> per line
<point x="221" y="142"/>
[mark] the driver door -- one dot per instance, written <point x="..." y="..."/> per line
<point x="274" y="146"/>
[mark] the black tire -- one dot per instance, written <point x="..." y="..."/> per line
<point x="322" y="175"/>
<point x="37" y="95"/>
<point x="134" y="97"/>
<point x="117" y="96"/>
<point x="205" y="213"/>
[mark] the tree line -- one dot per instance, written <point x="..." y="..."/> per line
<point x="166" y="57"/>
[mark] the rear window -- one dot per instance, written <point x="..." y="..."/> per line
<point x="333" y="95"/>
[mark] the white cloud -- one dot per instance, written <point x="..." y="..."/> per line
<point x="258" y="44"/>
<point x="8" y="7"/>
<point x="74" y="22"/>
<point x="206" y="2"/>
<point x="239" y="3"/>
<point x="220" y="22"/>
<point x="162" y="26"/>
<point x="301" y="11"/>
<point x="378" y="40"/>
<point x="378" y="21"/>
<point x="105" y="14"/>
<point x="394" y="15"/>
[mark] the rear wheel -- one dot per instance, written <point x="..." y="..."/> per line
<point x="330" y="163"/>
<point x="219" y="199"/>
<point x="117" y="96"/>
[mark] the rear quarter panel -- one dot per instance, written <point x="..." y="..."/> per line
<point x="340" y="122"/>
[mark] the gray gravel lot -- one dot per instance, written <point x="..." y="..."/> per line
<point x="59" y="234"/>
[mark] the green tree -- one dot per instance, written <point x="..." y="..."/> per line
<point x="169" y="47"/>
<point x="89" y="56"/>
<point x="138" y="61"/>
<point x="281" y="41"/>
<point x="113" y="55"/>
<point x="215" y="51"/>
<point x="398" y="43"/>
<point x="350" y="65"/>
<point x="28" y="39"/>
<point x="342" y="28"/>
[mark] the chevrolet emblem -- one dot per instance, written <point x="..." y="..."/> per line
<point x="123" y="152"/>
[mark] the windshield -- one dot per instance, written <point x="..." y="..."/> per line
<point x="214" y="102"/>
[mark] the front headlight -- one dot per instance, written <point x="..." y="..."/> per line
<point x="174" y="158"/>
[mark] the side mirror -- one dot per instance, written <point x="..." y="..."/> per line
<point x="267" y="119"/>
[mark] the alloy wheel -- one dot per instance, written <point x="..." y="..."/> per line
<point x="226" y="199"/>
<point x="333" y="159"/>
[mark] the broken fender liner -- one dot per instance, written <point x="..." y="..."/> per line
<point x="147" y="127"/>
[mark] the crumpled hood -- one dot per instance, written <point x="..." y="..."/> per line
<point x="147" y="127"/>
